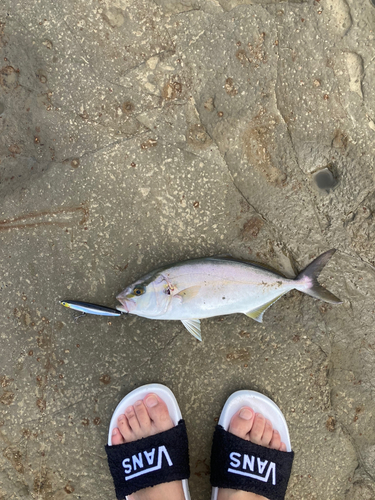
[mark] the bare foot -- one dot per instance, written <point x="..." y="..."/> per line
<point x="256" y="428"/>
<point x="146" y="418"/>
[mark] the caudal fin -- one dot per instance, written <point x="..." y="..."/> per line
<point x="308" y="279"/>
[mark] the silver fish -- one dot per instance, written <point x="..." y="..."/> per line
<point x="203" y="288"/>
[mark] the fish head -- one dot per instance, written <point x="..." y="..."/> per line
<point x="149" y="297"/>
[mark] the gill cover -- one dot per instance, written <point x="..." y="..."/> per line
<point x="148" y="297"/>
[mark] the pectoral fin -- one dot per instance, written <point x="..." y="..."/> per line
<point x="189" y="293"/>
<point x="193" y="326"/>
<point x="257" y="314"/>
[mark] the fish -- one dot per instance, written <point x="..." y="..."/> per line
<point x="214" y="286"/>
<point x="87" y="308"/>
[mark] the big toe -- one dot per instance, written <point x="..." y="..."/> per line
<point x="158" y="412"/>
<point x="242" y="422"/>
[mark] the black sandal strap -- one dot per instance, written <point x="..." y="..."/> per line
<point x="241" y="465"/>
<point x="149" y="461"/>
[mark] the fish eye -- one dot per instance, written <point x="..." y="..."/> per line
<point x="138" y="291"/>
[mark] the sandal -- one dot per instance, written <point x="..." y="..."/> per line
<point x="152" y="460"/>
<point x="242" y="465"/>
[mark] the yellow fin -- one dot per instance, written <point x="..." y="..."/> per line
<point x="257" y="314"/>
<point x="189" y="293"/>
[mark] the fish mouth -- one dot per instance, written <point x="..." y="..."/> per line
<point x="127" y="305"/>
<point x="122" y="309"/>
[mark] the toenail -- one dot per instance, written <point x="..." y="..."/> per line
<point x="259" y="415"/>
<point x="114" y="432"/>
<point x="121" y="418"/>
<point x="138" y="403"/>
<point x="151" y="401"/>
<point x="246" y="413"/>
<point x="129" y="410"/>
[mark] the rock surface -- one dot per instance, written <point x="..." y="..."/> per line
<point x="136" y="133"/>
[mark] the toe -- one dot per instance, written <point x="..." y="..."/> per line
<point x="125" y="430"/>
<point x="133" y="421"/>
<point x="158" y="412"/>
<point x="267" y="434"/>
<point x="117" y="437"/>
<point x="143" y="418"/>
<point x="275" y="441"/>
<point x="282" y="447"/>
<point x="257" y="429"/>
<point x="241" y="422"/>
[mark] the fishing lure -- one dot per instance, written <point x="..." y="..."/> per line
<point x="87" y="308"/>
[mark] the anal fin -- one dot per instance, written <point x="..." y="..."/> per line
<point x="257" y="314"/>
<point x="193" y="326"/>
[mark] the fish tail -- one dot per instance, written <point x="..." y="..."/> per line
<point x="308" y="279"/>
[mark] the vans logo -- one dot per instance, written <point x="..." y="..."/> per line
<point x="251" y="466"/>
<point x="145" y="462"/>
